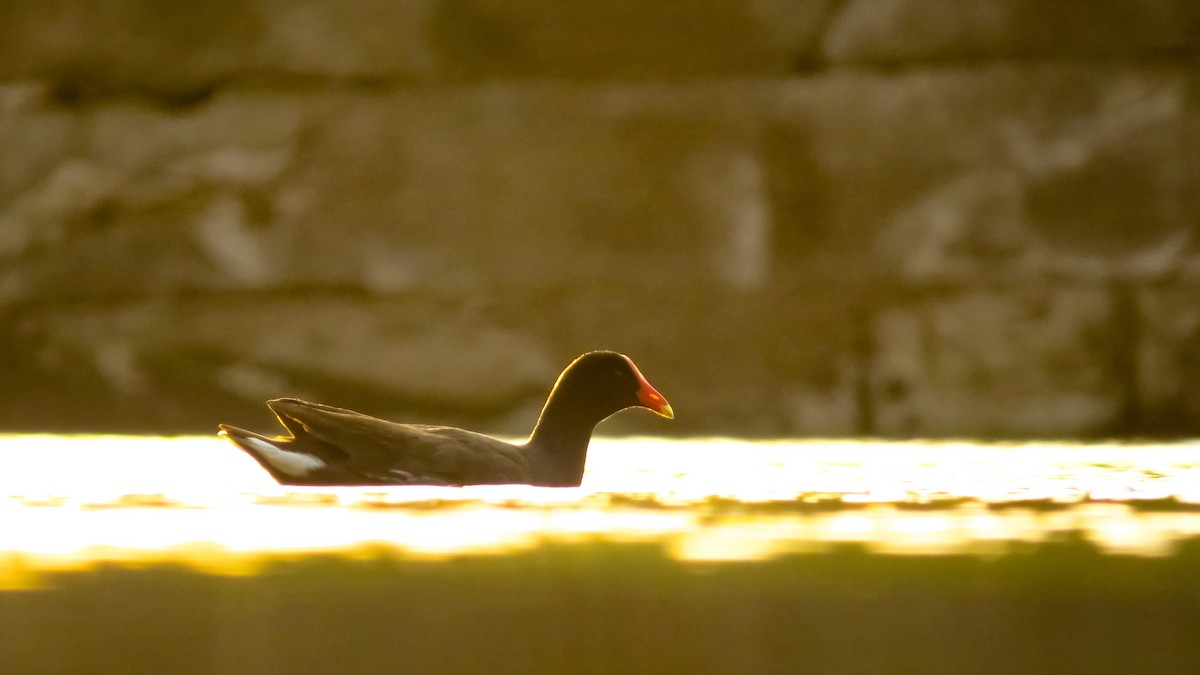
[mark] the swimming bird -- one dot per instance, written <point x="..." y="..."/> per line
<point x="333" y="446"/>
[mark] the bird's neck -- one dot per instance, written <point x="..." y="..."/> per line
<point x="558" y="445"/>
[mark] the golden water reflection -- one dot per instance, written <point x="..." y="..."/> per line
<point x="72" y="502"/>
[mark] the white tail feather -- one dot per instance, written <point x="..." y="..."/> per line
<point x="294" y="464"/>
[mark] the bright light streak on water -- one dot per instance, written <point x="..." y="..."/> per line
<point x="68" y="502"/>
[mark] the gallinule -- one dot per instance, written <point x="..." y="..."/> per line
<point x="332" y="446"/>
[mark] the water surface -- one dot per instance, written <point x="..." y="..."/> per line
<point x="71" y="502"/>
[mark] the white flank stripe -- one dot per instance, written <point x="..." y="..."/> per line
<point x="292" y="463"/>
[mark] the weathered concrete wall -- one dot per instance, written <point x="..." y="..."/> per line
<point x="799" y="216"/>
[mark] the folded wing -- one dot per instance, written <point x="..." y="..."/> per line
<point x="388" y="452"/>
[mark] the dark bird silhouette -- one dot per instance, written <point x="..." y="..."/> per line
<point x="333" y="446"/>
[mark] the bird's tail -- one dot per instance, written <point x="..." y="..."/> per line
<point x="286" y="465"/>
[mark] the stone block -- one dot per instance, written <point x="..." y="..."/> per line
<point x="88" y="49"/>
<point x="525" y="186"/>
<point x="898" y="31"/>
<point x="1167" y="363"/>
<point x="1036" y="362"/>
<point x="363" y="40"/>
<point x="33" y="137"/>
<point x="180" y="55"/>
<point x="190" y="363"/>
<point x="186" y="196"/>
<point x="595" y="39"/>
<point x="35" y="141"/>
<point x="1004" y="172"/>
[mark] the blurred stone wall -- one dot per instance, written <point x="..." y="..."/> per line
<point x="800" y="217"/>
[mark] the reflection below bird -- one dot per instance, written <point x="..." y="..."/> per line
<point x="332" y="446"/>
